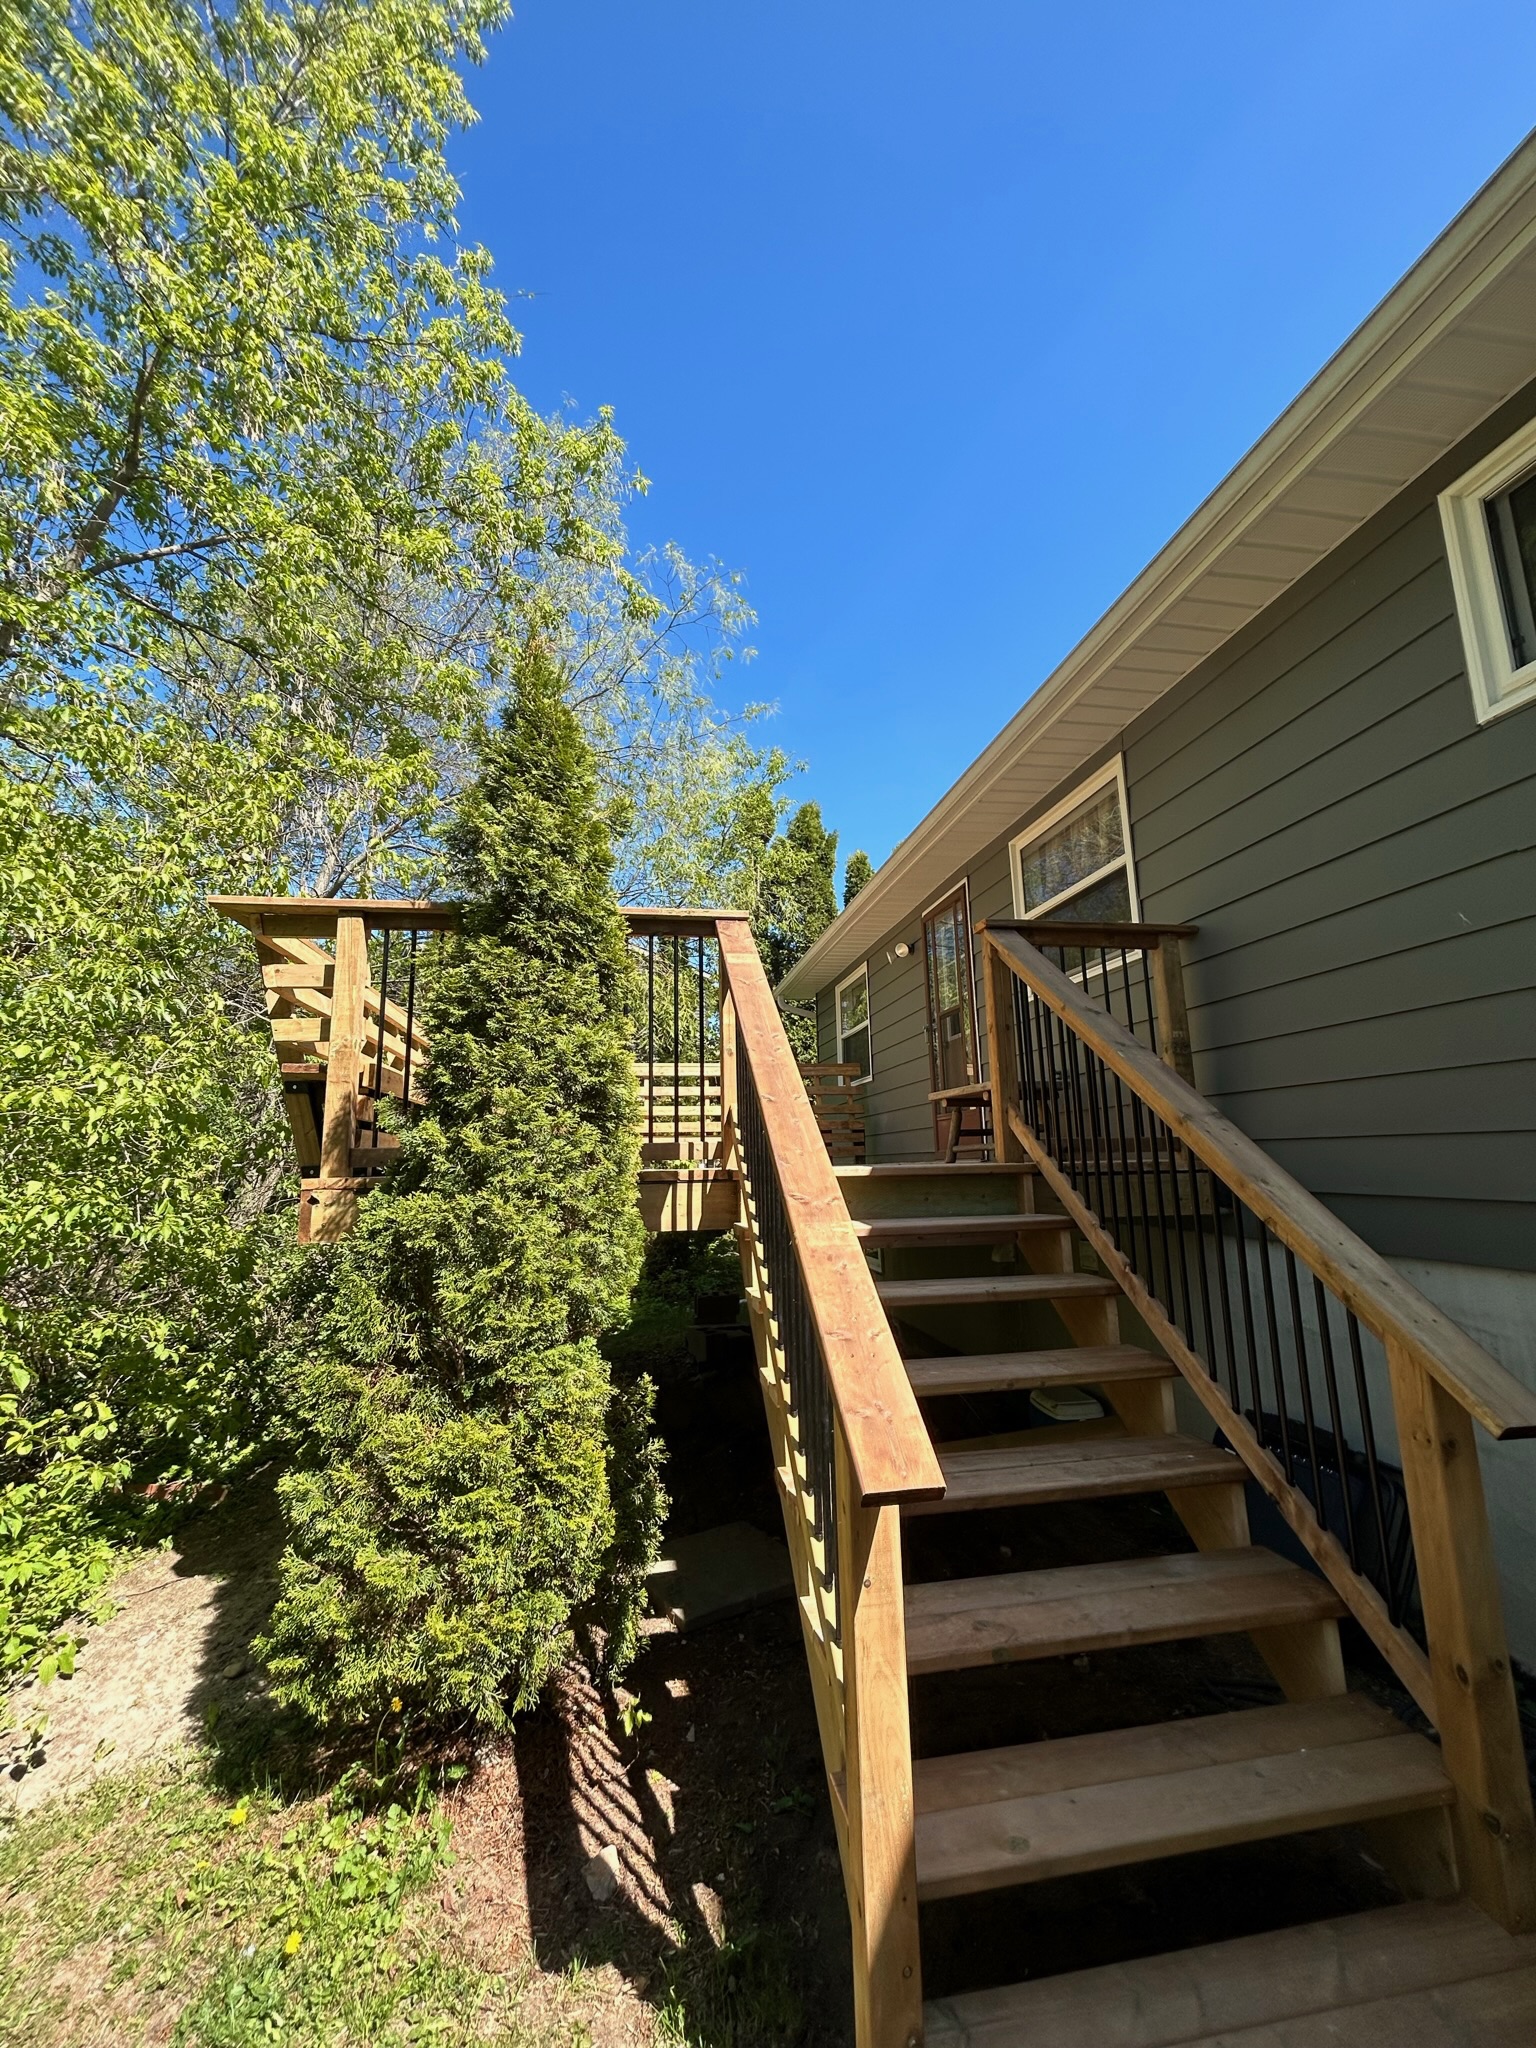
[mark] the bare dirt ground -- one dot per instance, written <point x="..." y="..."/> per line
<point x="176" y="1653"/>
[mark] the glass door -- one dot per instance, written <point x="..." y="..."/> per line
<point x="951" y="999"/>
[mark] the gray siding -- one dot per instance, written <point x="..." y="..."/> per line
<point x="1360" y="857"/>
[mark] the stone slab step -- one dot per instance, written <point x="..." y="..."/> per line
<point x="958" y="1624"/>
<point x="1099" y="1468"/>
<point x="1095" y="1802"/>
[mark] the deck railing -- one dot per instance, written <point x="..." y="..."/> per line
<point x="848" y="1443"/>
<point x="677" y="1039"/>
<point x="341" y="981"/>
<point x="1315" y="1358"/>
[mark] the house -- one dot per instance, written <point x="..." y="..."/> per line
<point x="1307" y="729"/>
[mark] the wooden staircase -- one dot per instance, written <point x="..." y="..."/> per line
<point x="1131" y="1243"/>
<point x="1018" y="1814"/>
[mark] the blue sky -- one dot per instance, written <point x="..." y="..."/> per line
<point x="937" y="321"/>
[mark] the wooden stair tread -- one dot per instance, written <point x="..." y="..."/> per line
<point x="955" y="1229"/>
<point x="910" y="1169"/>
<point x="994" y="1287"/>
<point x="957" y="1624"/>
<point x="1095" y="1802"/>
<point x="1025" y="1475"/>
<point x="1000" y="1372"/>
<point x="1381" y="1968"/>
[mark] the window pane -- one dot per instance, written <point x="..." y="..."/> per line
<point x="856" y="1048"/>
<point x="944" y="952"/>
<point x="1105" y="902"/>
<point x="1512" y="528"/>
<point x="853" y="1005"/>
<point x="1087" y="841"/>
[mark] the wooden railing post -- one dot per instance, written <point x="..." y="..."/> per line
<point x="1171" y="1014"/>
<point x="335" y="1210"/>
<point x="1002" y="1054"/>
<point x="1475" y="1710"/>
<point x="727" y="1075"/>
<point x="877" y="1747"/>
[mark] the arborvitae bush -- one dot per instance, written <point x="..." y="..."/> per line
<point x="477" y="1485"/>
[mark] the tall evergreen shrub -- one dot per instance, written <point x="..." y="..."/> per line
<point x="477" y="1484"/>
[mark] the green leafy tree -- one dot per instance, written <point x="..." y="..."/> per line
<point x="859" y="871"/>
<point x="272" y="519"/>
<point x="477" y="1482"/>
<point x="797" y="900"/>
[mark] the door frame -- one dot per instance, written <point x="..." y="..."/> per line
<point x="930" y="1020"/>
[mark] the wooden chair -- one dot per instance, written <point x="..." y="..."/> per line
<point x="973" y="1100"/>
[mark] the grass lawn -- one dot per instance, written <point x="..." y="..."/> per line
<point x="156" y="1909"/>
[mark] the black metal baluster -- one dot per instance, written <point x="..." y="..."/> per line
<point x="1078" y="1170"/>
<point x="1336" y="1421"/>
<point x="1024" y="1054"/>
<point x="1373" y="1471"/>
<point x="1272" y="1326"/>
<point x="1146" y="979"/>
<point x="1224" y="1288"/>
<point x="383" y="1024"/>
<point x="1250" y="1335"/>
<point x="1055" y="1099"/>
<point x="1112" y="1162"/>
<point x="703" y="1121"/>
<point x="1085" y="1061"/>
<point x="410" y="1023"/>
<point x="650" y="1038"/>
<point x="1145" y="1265"/>
<point x="1197" y="1220"/>
<point x="1158" y="1127"/>
<point x="1303" y="1363"/>
<point x="677" y="1045"/>
<point x="1050" y="1105"/>
<point x="1143" y="1140"/>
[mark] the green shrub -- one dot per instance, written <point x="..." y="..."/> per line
<point x="476" y="1483"/>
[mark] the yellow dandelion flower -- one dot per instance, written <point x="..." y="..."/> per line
<point x="396" y="1704"/>
<point x="293" y="1944"/>
<point x="240" y="1814"/>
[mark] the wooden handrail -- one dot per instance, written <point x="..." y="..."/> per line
<point x="664" y="923"/>
<point x="1387" y="1304"/>
<point x="888" y="1446"/>
<point x="314" y="917"/>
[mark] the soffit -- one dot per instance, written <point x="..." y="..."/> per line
<point x="1449" y="344"/>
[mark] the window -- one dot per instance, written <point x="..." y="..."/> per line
<point x="1075" y="862"/>
<point x="1490" y="536"/>
<point x="851" y="1004"/>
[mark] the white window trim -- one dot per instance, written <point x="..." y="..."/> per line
<point x="1497" y="685"/>
<point x="860" y="973"/>
<point x="1039" y="828"/>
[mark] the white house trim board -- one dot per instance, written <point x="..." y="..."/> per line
<point x="1497" y="685"/>
<point x="1454" y="340"/>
